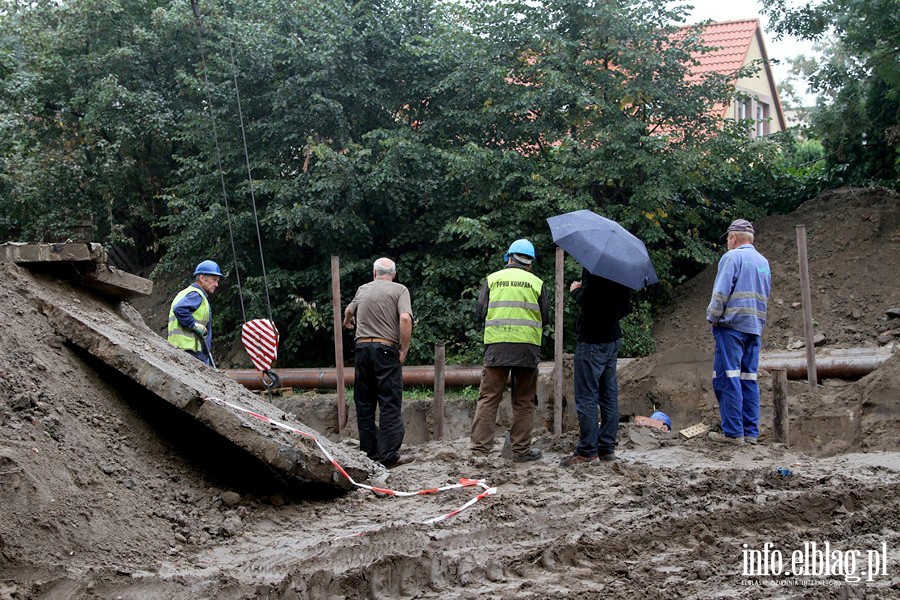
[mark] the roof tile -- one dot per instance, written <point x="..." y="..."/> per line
<point x="731" y="40"/>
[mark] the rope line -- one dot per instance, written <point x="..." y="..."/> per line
<point x="486" y="490"/>
<point x="212" y="118"/>
<point x="237" y="91"/>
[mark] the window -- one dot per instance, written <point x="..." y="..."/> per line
<point x="762" y="119"/>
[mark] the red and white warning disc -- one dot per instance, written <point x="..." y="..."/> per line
<point x="260" y="339"/>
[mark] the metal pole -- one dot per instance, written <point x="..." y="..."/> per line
<point x="558" y="344"/>
<point x="440" y="360"/>
<point x="338" y="343"/>
<point x="780" y="427"/>
<point x="806" y="301"/>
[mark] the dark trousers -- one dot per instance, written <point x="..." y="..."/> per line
<point x="596" y="387"/>
<point x="493" y="382"/>
<point x="379" y="384"/>
<point x="202" y="355"/>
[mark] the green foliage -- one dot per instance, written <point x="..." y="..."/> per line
<point x="91" y="117"/>
<point x="431" y="132"/>
<point x="857" y="117"/>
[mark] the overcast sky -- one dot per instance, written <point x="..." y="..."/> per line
<point x="730" y="10"/>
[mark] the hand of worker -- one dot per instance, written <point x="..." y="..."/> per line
<point x="200" y="329"/>
<point x="575" y="285"/>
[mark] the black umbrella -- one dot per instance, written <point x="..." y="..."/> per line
<point x="604" y="248"/>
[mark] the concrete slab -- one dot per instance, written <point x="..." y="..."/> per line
<point x="21" y="253"/>
<point x="111" y="333"/>
<point x="88" y="262"/>
<point x="116" y="283"/>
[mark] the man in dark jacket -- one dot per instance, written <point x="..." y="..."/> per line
<point x="603" y="303"/>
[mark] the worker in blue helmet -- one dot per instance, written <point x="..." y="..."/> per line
<point x="513" y="306"/>
<point x="190" y="316"/>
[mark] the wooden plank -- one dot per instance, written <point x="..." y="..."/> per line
<point x="780" y="428"/>
<point x="440" y="361"/>
<point x="558" y="344"/>
<point x="338" y="342"/>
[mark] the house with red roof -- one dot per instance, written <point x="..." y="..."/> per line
<point x="737" y="44"/>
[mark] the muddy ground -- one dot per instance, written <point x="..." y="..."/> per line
<point x="104" y="495"/>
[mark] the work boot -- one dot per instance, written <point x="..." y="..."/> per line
<point x="751" y="440"/>
<point x="403" y="459"/>
<point x="533" y="454"/>
<point x="724" y="439"/>
<point x="578" y="459"/>
<point x="606" y="456"/>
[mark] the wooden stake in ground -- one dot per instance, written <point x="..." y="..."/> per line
<point x="440" y="360"/>
<point x="806" y="300"/>
<point x="780" y="428"/>
<point x="338" y="342"/>
<point x="558" y="344"/>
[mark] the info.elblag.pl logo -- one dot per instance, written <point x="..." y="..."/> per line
<point x="815" y="560"/>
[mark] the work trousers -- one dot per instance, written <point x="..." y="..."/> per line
<point x="524" y="388"/>
<point x="735" y="364"/>
<point x="596" y="386"/>
<point x="379" y="384"/>
<point x="202" y="355"/>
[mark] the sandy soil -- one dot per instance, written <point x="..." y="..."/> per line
<point x="853" y="247"/>
<point x="103" y="497"/>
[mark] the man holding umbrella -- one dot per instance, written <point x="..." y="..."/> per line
<point x="614" y="261"/>
<point x="603" y="303"/>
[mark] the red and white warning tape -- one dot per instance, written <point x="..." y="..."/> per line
<point x="463" y="482"/>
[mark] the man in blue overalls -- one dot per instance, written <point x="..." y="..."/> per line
<point x="737" y="312"/>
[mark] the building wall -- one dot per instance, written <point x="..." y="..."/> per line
<point x="760" y="102"/>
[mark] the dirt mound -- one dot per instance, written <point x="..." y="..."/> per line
<point x="86" y="481"/>
<point x="853" y="246"/>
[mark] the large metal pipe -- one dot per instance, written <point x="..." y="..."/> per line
<point x="849" y="366"/>
<point x="454" y="376"/>
<point x="827" y="367"/>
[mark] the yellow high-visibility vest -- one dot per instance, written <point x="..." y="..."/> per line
<point x="182" y="338"/>
<point x="514" y="312"/>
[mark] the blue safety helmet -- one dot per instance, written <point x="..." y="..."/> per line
<point x="661" y="416"/>
<point x="208" y="267"/>
<point x="522" y="248"/>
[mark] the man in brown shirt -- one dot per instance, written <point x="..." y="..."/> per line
<point x="381" y="312"/>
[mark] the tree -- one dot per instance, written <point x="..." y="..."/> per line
<point x="92" y="116"/>
<point x="858" y="116"/>
<point x="431" y="132"/>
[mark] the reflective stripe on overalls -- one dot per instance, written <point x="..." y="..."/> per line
<point x="180" y="337"/>
<point x="513" y="314"/>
